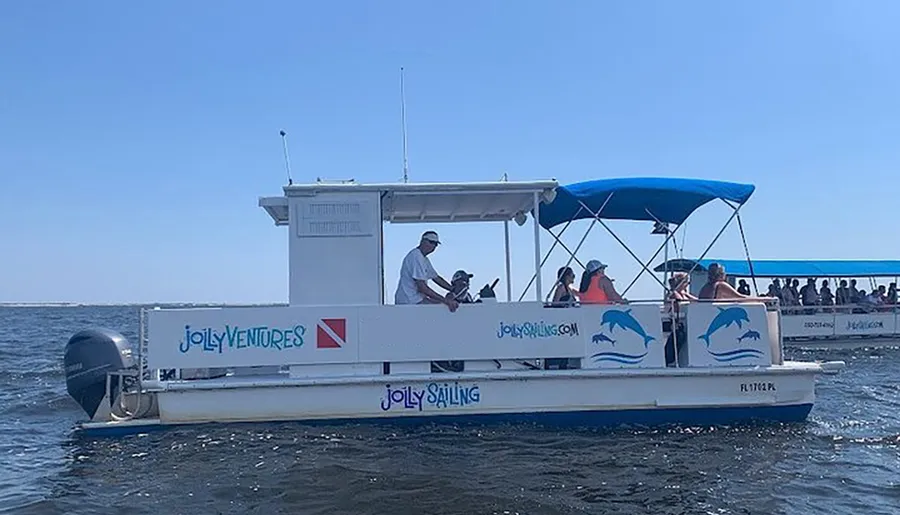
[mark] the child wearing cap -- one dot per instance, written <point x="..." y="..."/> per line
<point x="459" y="287"/>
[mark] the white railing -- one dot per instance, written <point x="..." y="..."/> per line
<point x="841" y="321"/>
<point x="142" y="345"/>
<point x="361" y="340"/>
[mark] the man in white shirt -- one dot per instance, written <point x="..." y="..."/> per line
<point x="416" y="271"/>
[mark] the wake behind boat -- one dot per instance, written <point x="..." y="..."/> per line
<point x="338" y="353"/>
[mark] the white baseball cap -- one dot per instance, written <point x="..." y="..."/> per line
<point x="594" y="265"/>
<point x="461" y="274"/>
<point x="432" y="237"/>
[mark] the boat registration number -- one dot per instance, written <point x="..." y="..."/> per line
<point x="757" y="387"/>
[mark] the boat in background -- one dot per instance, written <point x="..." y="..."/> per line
<point x="339" y="353"/>
<point x="836" y="326"/>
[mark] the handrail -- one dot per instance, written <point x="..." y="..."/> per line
<point x="787" y="314"/>
<point x="840" y="308"/>
<point x="841" y="322"/>
<point x="665" y="314"/>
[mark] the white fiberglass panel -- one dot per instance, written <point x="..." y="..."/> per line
<point x="335" y="249"/>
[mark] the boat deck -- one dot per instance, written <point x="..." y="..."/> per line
<point x="283" y="380"/>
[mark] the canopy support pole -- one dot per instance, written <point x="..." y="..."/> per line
<point x="622" y="243"/>
<point x="558" y="241"/>
<point x="670" y="236"/>
<point x="713" y="242"/>
<point x="505" y="178"/>
<point x="537" y="245"/>
<point x="546" y="257"/>
<point x="508" y="268"/>
<point x="586" y="233"/>
<point x="665" y="267"/>
<point x="571" y="256"/>
<point x="665" y="246"/>
<point x="746" y="250"/>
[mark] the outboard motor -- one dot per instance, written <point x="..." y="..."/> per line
<point x="90" y="354"/>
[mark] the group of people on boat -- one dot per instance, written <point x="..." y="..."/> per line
<point x="716" y="288"/>
<point x="595" y="286"/>
<point x="416" y="271"/>
<point x="809" y="295"/>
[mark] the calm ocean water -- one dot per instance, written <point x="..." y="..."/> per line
<point x="845" y="459"/>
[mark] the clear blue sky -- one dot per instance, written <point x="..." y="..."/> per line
<point x="135" y="140"/>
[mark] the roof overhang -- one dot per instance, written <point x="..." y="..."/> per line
<point x="431" y="202"/>
<point x="277" y="207"/>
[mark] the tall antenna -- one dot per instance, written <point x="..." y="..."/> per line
<point x="287" y="160"/>
<point x="403" y="124"/>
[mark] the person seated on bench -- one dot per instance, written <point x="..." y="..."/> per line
<point x="717" y="288"/>
<point x="596" y="287"/>
<point x="564" y="295"/>
<point x="678" y="287"/>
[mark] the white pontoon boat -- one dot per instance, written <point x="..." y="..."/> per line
<point x="338" y="353"/>
<point x="845" y="325"/>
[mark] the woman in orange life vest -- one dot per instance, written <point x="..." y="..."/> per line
<point x="596" y="287"/>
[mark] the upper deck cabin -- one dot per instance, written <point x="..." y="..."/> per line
<point x="336" y="229"/>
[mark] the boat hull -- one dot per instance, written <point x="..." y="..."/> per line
<point x="563" y="398"/>
<point x="598" y="419"/>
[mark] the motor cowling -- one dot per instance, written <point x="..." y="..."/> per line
<point x="90" y="355"/>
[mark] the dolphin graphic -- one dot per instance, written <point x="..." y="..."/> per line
<point x="600" y="337"/>
<point x="623" y="319"/>
<point x="753" y="335"/>
<point x="725" y="318"/>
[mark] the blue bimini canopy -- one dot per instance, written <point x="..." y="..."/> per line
<point x="790" y="268"/>
<point x="639" y="198"/>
